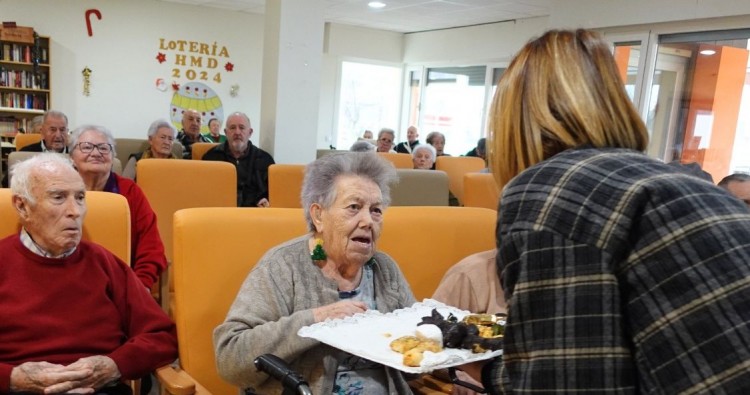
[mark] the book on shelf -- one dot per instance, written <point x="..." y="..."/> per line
<point x="21" y="53"/>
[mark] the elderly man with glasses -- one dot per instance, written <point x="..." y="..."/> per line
<point x="92" y="149"/>
<point x="385" y="140"/>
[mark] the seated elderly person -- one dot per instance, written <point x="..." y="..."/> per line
<point x="75" y="317"/>
<point x="161" y="136"/>
<point x="385" y="140"/>
<point x="738" y="184"/>
<point x="332" y="272"/>
<point x="472" y="284"/>
<point x="362" y="146"/>
<point x="92" y="148"/>
<point x="423" y="156"/>
<point x="54" y="131"/>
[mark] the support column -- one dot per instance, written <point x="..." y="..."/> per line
<point x="290" y="90"/>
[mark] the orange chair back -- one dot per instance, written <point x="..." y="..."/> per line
<point x="24" y="139"/>
<point x="207" y="279"/>
<point x="172" y="185"/>
<point x="285" y="185"/>
<point x="427" y="241"/>
<point x="400" y="161"/>
<point x="481" y="190"/>
<point x="107" y="221"/>
<point x="200" y="149"/>
<point x="456" y="167"/>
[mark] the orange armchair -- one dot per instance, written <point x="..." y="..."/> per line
<point x="427" y="241"/>
<point x="200" y="149"/>
<point x="456" y="167"/>
<point x="400" y="161"/>
<point x="285" y="185"/>
<point x="207" y="280"/>
<point x="481" y="190"/>
<point x="107" y="221"/>
<point x="24" y="139"/>
<point x="172" y="185"/>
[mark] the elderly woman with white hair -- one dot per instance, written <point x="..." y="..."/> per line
<point x="161" y="135"/>
<point x="334" y="271"/>
<point x="91" y="149"/>
<point x="423" y="156"/>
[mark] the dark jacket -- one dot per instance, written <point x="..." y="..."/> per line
<point x="252" y="172"/>
<point x="187" y="144"/>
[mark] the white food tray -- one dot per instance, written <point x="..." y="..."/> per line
<point x="370" y="334"/>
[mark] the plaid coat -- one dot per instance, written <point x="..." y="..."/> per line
<point x="623" y="276"/>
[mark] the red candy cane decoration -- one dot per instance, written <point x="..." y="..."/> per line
<point x="88" y="19"/>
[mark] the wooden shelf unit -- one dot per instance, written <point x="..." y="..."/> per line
<point x="24" y="80"/>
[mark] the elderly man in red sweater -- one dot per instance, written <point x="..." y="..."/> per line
<point x="75" y="318"/>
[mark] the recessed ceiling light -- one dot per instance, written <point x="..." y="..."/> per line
<point x="708" y="52"/>
<point x="376" y="4"/>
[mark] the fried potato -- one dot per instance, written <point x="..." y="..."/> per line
<point x="413" y="357"/>
<point x="429" y="345"/>
<point x="404" y="344"/>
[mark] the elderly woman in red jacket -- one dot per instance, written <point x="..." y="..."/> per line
<point x="92" y="148"/>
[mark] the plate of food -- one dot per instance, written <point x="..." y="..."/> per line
<point x="419" y="339"/>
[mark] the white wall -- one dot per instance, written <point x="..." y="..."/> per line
<point x="122" y="56"/>
<point x="472" y="45"/>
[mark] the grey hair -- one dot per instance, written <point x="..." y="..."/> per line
<point x="386" y="130"/>
<point x="427" y="147"/>
<point x="20" y="180"/>
<point x="242" y="114"/>
<point x="54" y="114"/>
<point x="321" y="175"/>
<point x="736" y="177"/>
<point x="76" y="135"/>
<point x="431" y="137"/>
<point x="37" y="120"/>
<point x="158" y="124"/>
<point x="362" y="146"/>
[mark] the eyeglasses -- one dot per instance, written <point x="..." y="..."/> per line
<point x="87" y="148"/>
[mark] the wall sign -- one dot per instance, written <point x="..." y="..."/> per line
<point x="195" y="61"/>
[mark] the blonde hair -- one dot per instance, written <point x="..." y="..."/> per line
<point x="561" y="91"/>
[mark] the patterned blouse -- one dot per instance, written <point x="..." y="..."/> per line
<point x="623" y="276"/>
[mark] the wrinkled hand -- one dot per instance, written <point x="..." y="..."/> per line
<point x="38" y="376"/>
<point x="102" y="371"/>
<point x="473" y="369"/>
<point x="340" y="309"/>
<point x="264" y="203"/>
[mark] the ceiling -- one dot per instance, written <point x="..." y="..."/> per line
<point x="406" y="16"/>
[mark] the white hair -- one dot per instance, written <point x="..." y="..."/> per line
<point x="20" y="180"/>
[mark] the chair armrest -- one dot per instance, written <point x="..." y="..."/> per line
<point x="175" y="381"/>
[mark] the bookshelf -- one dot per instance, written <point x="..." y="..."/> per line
<point x="24" y="77"/>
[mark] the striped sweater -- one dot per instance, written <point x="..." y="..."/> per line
<point x="623" y="276"/>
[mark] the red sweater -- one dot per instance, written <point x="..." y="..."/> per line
<point x="90" y="303"/>
<point x="146" y="249"/>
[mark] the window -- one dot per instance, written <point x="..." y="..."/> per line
<point x="368" y="100"/>
<point x="699" y="105"/>
<point x="453" y="104"/>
